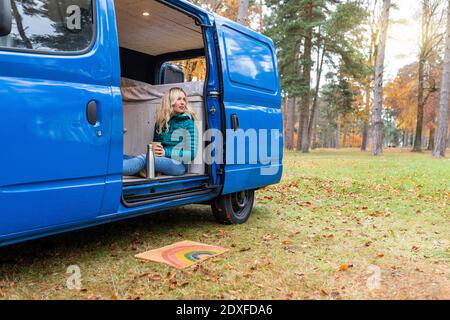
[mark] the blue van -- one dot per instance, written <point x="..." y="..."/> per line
<point x="80" y="81"/>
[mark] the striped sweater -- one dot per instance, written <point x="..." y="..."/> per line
<point x="180" y="141"/>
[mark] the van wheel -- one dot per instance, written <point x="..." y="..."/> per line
<point x="234" y="208"/>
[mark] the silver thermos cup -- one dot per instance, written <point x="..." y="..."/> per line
<point x="150" y="162"/>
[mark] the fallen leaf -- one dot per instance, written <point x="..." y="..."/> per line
<point x="344" y="267"/>
<point x="323" y="292"/>
<point x="245" y="249"/>
<point x="155" y="277"/>
<point x="380" y="255"/>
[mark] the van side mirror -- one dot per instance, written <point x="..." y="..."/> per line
<point x="5" y="17"/>
<point x="170" y="73"/>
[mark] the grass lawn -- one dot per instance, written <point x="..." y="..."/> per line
<point x="337" y="223"/>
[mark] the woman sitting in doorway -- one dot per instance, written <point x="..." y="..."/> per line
<point x="174" y="126"/>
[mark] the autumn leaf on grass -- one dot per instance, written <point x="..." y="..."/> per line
<point x="155" y="277"/>
<point x="245" y="249"/>
<point x="172" y="284"/>
<point x="380" y="255"/>
<point x="415" y="248"/>
<point x="323" y="292"/>
<point x="285" y="242"/>
<point x="345" y="267"/>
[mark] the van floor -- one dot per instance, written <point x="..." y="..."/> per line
<point x="133" y="180"/>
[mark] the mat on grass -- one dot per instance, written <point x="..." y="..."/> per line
<point x="182" y="254"/>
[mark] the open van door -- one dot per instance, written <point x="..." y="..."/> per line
<point x="252" y="108"/>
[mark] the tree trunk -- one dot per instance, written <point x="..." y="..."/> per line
<point x="338" y="135"/>
<point x="420" y="108"/>
<point x="20" y="29"/>
<point x="314" y="128"/>
<point x="243" y="12"/>
<point x="290" y="122"/>
<point x="377" y="123"/>
<point x="284" y="115"/>
<point x="312" y="117"/>
<point x="303" y="144"/>
<point x="442" y="129"/>
<point x="344" y="142"/>
<point x="431" y="139"/>
<point x="404" y="138"/>
<point x="365" y="132"/>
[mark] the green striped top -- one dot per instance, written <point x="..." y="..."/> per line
<point x="180" y="141"/>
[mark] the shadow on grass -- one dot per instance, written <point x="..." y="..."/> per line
<point x="70" y="245"/>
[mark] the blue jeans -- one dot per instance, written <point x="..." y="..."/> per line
<point x="167" y="166"/>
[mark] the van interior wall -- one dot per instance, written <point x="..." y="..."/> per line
<point x="145" y="68"/>
<point x="138" y="66"/>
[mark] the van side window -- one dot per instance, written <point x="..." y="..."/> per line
<point x="193" y="69"/>
<point x="249" y="61"/>
<point x="50" y="25"/>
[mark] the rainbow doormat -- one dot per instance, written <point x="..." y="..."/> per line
<point x="182" y="254"/>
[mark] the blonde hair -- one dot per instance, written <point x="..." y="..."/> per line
<point x="165" y="109"/>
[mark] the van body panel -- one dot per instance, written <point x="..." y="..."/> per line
<point x="251" y="94"/>
<point x="121" y="214"/>
<point x="56" y="162"/>
<point x="113" y="182"/>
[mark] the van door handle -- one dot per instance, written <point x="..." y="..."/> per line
<point x="91" y="112"/>
<point x="234" y="122"/>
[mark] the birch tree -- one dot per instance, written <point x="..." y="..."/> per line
<point x="442" y="129"/>
<point x="377" y="122"/>
<point x="243" y="12"/>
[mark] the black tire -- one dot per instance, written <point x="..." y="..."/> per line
<point x="233" y="208"/>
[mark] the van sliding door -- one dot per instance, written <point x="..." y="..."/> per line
<point x="252" y="103"/>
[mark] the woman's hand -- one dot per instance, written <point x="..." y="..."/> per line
<point x="159" y="150"/>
